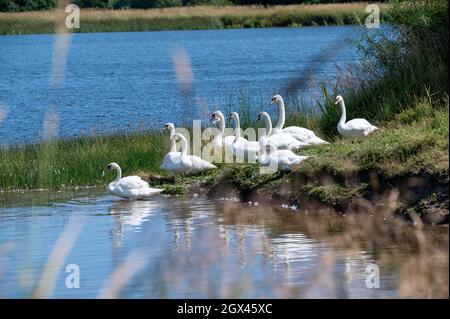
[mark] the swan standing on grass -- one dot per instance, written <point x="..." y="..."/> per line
<point x="241" y="146"/>
<point x="169" y="157"/>
<point x="184" y="163"/>
<point x="280" y="140"/>
<point x="222" y="141"/>
<point x="283" y="160"/>
<point x="302" y="134"/>
<point x="130" y="187"/>
<point x="355" y="127"/>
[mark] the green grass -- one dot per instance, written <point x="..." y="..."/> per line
<point x="408" y="145"/>
<point x="187" y="18"/>
<point x="79" y="161"/>
<point x="406" y="95"/>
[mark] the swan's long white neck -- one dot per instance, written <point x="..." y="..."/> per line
<point x="119" y="173"/>
<point x="221" y="123"/>
<point x="173" y="145"/>
<point x="343" y="113"/>
<point x="183" y="144"/>
<point x="268" y="125"/>
<point x="281" y="116"/>
<point x="238" y="127"/>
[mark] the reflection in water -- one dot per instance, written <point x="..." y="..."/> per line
<point x="194" y="248"/>
<point x="130" y="215"/>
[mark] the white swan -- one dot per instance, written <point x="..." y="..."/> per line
<point x="243" y="148"/>
<point x="355" y="127"/>
<point x="170" y="157"/>
<point x="221" y="140"/>
<point x="184" y="163"/>
<point x="302" y="134"/>
<point x="283" y="160"/>
<point x="280" y="140"/>
<point x="131" y="187"/>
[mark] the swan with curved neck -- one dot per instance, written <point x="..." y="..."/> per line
<point x="280" y="140"/>
<point x="183" y="163"/>
<point x="221" y="140"/>
<point x="353" y="128"/>
<point x="170" y="156"/>
<point x="171" y="128"/>
<point x="130" y="187"/>
<point x="307" y="137"/>
<point x="242" y="147"/>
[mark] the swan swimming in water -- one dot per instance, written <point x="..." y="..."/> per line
<point x="130" y="187"/>
<point x="184" y="163"/>
<point x="170" y="157"/>
<point x="241" y="146"/>
<point x="302" y="134"/>
<point x="355" y="127"/>
<point x="280" y="140"/>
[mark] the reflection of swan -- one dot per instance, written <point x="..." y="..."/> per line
<point x="355" y="127"/>
<point x="131" y="187"/>
<point x="133" y="213"/>
<point x="184" y="163"/>
<point x="222" y="141"/>
<point x="130" y="214"/>
<point x="280" y="140"/>
<point x="242" y="147"/>
<point x="297" y="252"/>
<point x="300" y="133"/>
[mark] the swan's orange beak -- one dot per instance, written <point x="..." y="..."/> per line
<point x="273" y="100"/>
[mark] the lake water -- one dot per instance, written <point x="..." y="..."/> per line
<point x="191" y="247"/>
<point x="117" y="81"/>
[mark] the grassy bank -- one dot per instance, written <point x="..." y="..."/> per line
<point x="406" y="95"/>
<point x="78" y="161"/>
<point x="188" y="18"/>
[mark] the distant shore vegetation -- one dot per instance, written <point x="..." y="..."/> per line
<point x="37" y="5"/>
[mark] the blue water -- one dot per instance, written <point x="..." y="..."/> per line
<point x="192" y="247"/>
<point x="117" y="81"/>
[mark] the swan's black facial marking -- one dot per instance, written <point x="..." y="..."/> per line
<point x="109" y="167"/>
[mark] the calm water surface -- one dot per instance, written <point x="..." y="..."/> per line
<point x="189" y="247"/>
<point x="114" y="81"/>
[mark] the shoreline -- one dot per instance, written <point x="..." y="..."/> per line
<point x="403" y="166"/>
<point x="189" y="18"/>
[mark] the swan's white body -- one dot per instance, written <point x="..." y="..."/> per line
<point x="130" y="187"/>
<point x="222" y="141"/>
<point x="353" y="128"/>
<point x="306" y="137"/>
<point x="173" y="154"/>
<point x="243" y="148"/>
<point x="279" y="140"/>
<point x="283" y="160"/>
<point x="185" y="164"/>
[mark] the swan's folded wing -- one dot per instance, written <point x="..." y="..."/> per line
<point x="301" y="132"/>
<point x="131" y="182"/>
<point x="199" y="164"/>
<point x="358" y="125"/>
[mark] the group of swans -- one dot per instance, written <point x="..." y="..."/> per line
<point x="280" y="141"/>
